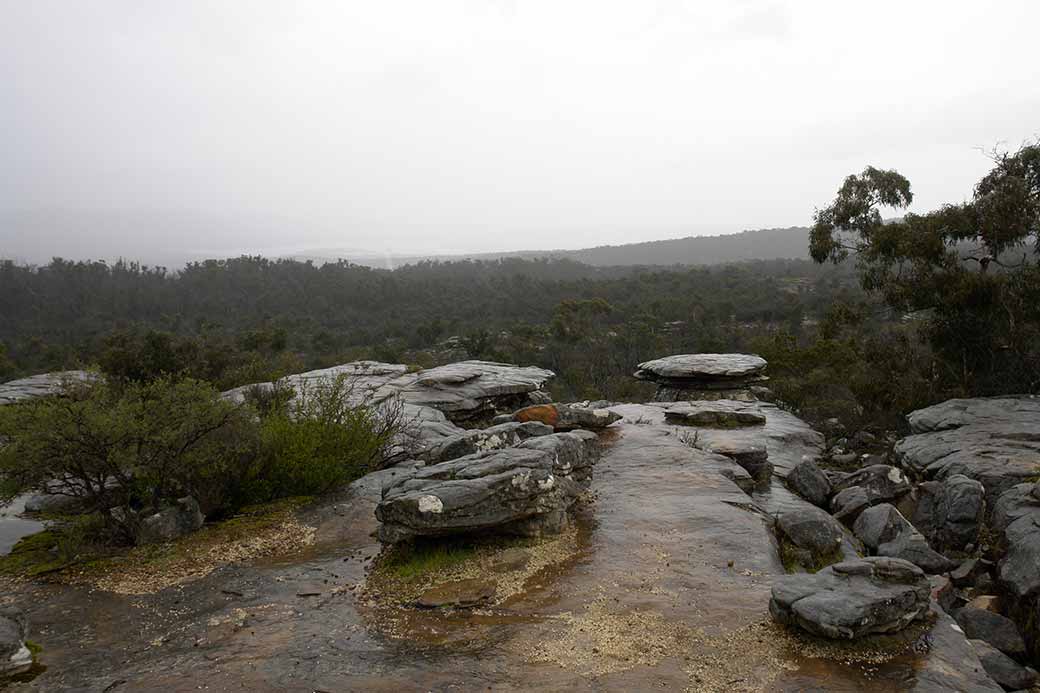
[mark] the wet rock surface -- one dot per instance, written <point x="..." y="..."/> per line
<point x="852" y="599"/>
<point x="567" y="417"/>
<point x="1002" y="669"/>
<point x="525" y="491"/>
<point x="704" y="376"/>
<point x="722" y="413"/>
<point x="998" y="631"/>
<point x="663" y="584"/>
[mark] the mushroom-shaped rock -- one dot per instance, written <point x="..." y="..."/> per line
<point x="701" y="367"/>
<point x="722" y="413"/>
<point x="853" y="598"/>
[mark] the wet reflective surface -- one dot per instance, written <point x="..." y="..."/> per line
<point x="667" y="589"/>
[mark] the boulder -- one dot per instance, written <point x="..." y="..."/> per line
<point x="848" y="503"/>
<point x="879" y="525"/>
<point x="171" y="523"/>
<point x="881" y="483"/>
<point x="997" y="630"/>
<point x="814" y="530"/>
<point x="480" y="440"/>
<point x="701" y="367"/>
<point x="912" y="546"/>
<point x="809" y="482"/>
<point x="525" y="490"/>
<point x="567" y="417"/>
<point x="853" y="598"/>
<point x="15" y="657"/>
<point x="993" y="440"/>
<point x="723" y="413"/>
<point x="1001" y="668"/>
<point x="753" y="457"/>
<point x="704" y="376"/>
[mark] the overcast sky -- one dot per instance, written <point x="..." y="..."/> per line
<point x="441" y="126"/>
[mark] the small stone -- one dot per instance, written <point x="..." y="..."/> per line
<point x="463" y="594"/>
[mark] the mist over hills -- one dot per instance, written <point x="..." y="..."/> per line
<point x="36" y="237"/>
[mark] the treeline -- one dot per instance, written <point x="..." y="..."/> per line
<point x="64" y="314"/>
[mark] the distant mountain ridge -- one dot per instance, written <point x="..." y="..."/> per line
<point x="763" y="244"/>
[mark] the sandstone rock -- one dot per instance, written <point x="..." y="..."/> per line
<point x="567" y="417"/>
<point x="912" y="546"/>
<point x="42" y="385"/>
<point x="951" y="663"/>
<point x="880" y="482"/>
<point x="1001" y="668"/>
<point x="480" y="440"/>
<point x="995" y="441"/>
<point x="721" y="413"/>
<point x="998" y="631"/>
<point x="854" y="598"/>
<point x="701" y="366"/>
<point x="808" y="481"/>
<point x="471" y="389"/>
<point x="525" y="490"/>
<point x="959" y="511"/>
<point x="814" y="530"/>
<point x="171" y="523"/>
<point x="752" y="457"/>
<point x="848" y="503"/>
<point x="15" y="657"/>
<point x="879" y="525"/>
<point x="462" y="594"/>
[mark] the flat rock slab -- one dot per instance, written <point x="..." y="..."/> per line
<point x="701" y="366"/>
<point x="723" y="413"/>
<point x="993" y="440"/>
<point x="42" y="385"/>
<point x="853" y="598"/>
<point x="462" y="594"/>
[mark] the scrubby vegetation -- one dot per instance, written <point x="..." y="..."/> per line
<point x="124" y="451"/>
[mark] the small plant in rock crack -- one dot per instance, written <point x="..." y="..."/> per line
<point x="689" y="438"/>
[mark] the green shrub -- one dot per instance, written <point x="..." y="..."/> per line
<point x="325" y="437"/>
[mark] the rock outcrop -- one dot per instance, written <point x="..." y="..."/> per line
<point x="524" y="490"/>
<point x="854" y="598"/>
<point x="171" y="523"/>
<point x="42" y="385"/>
<point x="723" y="413"/>
<point x="704" y="376"/>
<point x="993" y="440"/>
<point x="567" y="417"/>
<point x="15" y="657"/>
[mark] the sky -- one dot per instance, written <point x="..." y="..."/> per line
<point x="220" y="127"/>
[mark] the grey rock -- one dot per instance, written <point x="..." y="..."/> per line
<point x="480" y="440"/>
<point x="997" y="630"/>
<point x="809" y="482"/>
<point x="42" y="385"/>
<point x="881" y="483"/>
<point x="814" y="530"/>
<point x="951" y="663"/>
<point x="879" y="525"/>
<point x="753" y="457"/>
<point x="959" y="507"/>
<point x="171" y="523"/>
<point x="995" y="441"/>
<point x="15" y="657"/>
<point x="723" y="413"/>
<point x="567" y="417"/>
<point x="912" y="546"/>
<point x="701" y="366"/>
<point x="1020" y="566"/>
<point x="1001" y="668"/>
<point x="853" y="598"/>
<point x="848" y="503"/>
<point x="525" y="490"/>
